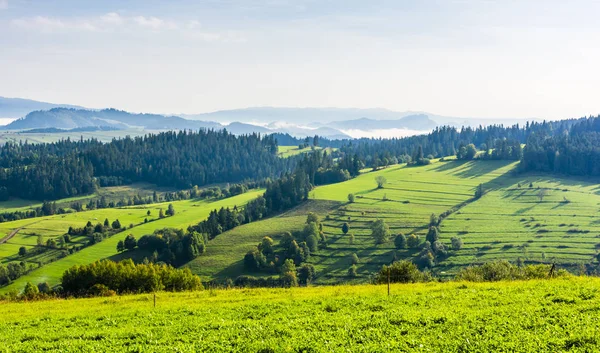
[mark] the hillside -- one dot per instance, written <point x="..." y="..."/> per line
<point x="532" y="316"/>
<point x="508" y="222"/>
<point x="14" y="108"/>
<point x="63" y="118"/>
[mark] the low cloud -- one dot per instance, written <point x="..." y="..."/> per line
<point x="3" y="4"/>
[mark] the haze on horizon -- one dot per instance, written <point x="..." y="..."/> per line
<point x="486" y="59"/>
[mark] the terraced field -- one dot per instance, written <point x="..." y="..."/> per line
<point x="508" y="222"/>
<point x="187" y="212"/>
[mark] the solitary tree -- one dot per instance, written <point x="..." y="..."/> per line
<point x="354" y="259"/>
<point x="380" y="180"/>
<point x="148" y="213"/>
<point x="345" y="228"/>
<point x="106" y="224"/>
<point x="479" y="191"/>
<point x="22" y="251"/>
<point x="541" y="194"/>
<point x="351" y="198"/>
<point x="457" y="243"/>
<point x="170" y="210"/>
<point x="161" y="213"/>
<point x="40" y="240"/>
<point x="380" y="231"/>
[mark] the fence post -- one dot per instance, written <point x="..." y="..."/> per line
<point x="389" y="270"/>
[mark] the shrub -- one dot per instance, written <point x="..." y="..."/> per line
<point x="400" y="272"/>
<point x="351" y="198"/>
<point x="400" y="241"/>
<point x="413" y="241"/>
<point x="352" y="271"/>
<point x="503" y="270"/>
<point x="354" y="259"/>
<point x="457" y="243"/>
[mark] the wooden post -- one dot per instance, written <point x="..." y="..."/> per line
<point x="389" y="270"/>
<point x="155" y="300"/>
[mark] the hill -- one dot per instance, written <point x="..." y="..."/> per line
<point x="64" y="118"/>
<point x="414" y="122"/>
<point x="14" y="108"/>
<point x="530" y="316"/>
<point x="509" y="222"/>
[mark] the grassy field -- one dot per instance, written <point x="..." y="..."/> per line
<point x="508" y="222"/>
<point x="187" y="212"/>
<point x="288" y="151"/>
<point x="111" y="193"/>
<point x="558" y="315"/>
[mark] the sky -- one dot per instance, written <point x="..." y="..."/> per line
<point x="484" y="59"/>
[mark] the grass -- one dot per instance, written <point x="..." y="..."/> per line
<point x="288" y="151"/>
<point x="187" y="212"/>
<point x="111" y="193"/>
<point x="508" y="222"/>
<point x="534" y="316"/>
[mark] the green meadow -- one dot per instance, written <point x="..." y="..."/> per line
<point x="288" y="151"/>
<point x="188" y="212"/>
<point x="559" y="315"/>
<point x="509" y="222"/>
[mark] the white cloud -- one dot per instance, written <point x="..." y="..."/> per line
<point x="154" y="23"/>
<point x="3" y="4"/>
<point x="112" y="18"/>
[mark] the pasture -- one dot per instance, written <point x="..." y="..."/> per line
<point x="531" y="316"/>
<point x="508" y="222"/>
<point x="187" y="212"/>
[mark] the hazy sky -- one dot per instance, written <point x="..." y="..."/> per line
<point x="460" y="58"/>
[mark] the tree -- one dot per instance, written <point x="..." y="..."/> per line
<point x="345" y="228"/>
<point x="40" y="240"/>
<point x="288" y="274"/>
<point x="400" y="241"/>
<point x="30" y="291"/>
<point x="400" y="272"/>
<point x="22" y="251"/>
<point x="148" y="213"/>
<point x="380" y="231"/>
<point x="312" y="218"/>
<point x="351" y="198"/>
<point x="351" y="239"/>
<point x="380" y="180"/>
<point x="44" y="287"/>
<point x="354" y="259"/>
<point x="413" y="241"/>
<point x="312" y="243"/>
<point x="130" y="242"/>
<point x="266" y="246"/>
<point x="286" y="240"/>
<point x="352" y="271"/>
<point x="457" y="243"/>
<point x="106" y="224"/>
<point x="541" y="194"/>
<point x="432" y="235"/>
<point x="479" y="191"/>
<point x="306" y="273"/>
<point x="161" y="213"/>
<point x="116" y="224"/>
<point x="170" y="210"/>
<point x="433" y="220"/>
<point x="120" y="246"/>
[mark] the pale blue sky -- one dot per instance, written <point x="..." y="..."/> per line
<point x="462" y="58"/>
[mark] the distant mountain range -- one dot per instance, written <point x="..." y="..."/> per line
<point x="14" y="108"/>
<point x="333" y="123"/>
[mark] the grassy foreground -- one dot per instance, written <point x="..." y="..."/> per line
<point x="532" y="316"/>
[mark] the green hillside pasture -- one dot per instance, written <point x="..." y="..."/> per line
<point x="413" y="194"/>
<point x="288" y="151"/>
<point x="225" y="253"/>
<point x="512" y="222"/>
<point x="534" y="316"/>
<point x="187" y="212"/>
<point x="111" y="193"/>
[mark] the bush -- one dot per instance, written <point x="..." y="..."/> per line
<point x="351" y="198"/>
<point x="400" y="241"/>
<point x="457" y="243"/>
<point x="401" y="272"/>
<point x="413" y="241"/>
<point x="503" y="270"/>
